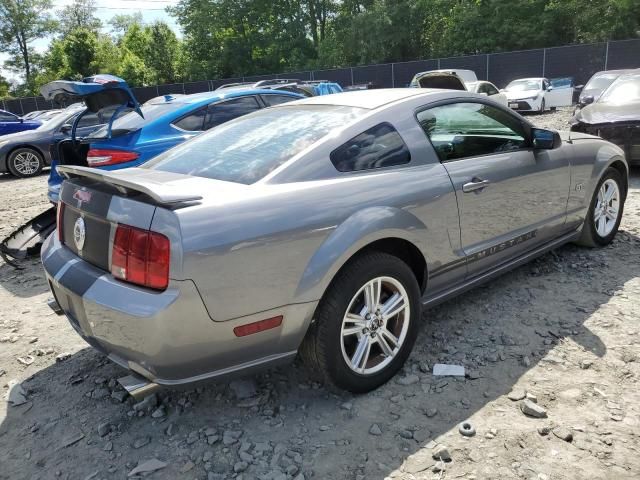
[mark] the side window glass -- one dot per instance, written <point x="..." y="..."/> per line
<point x="482" y="88"/>
<point x="380" y="146"/>
<point x="272" y="100"/>
<point x="88" y="119"/>
<point x="462" y="130"/>
<point x="7" y="117"/>
<point x="491" y="90"/>
<point x="193" y="122"/>
<point x="222" y="112"/>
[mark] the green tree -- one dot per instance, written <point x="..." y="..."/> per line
<point x="161" y="53"/>
<point x="80" y="48"/>
<point x="22" y="22"/>
<point x="79" y="14"/>
<point x="4" y="88"/>
<point x="133" y="70"/>
<point x="107" y="56"/>
<point x="121" y="23"/>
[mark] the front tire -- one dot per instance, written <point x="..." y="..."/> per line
<point x="25" y="162"/>
<point x="605" y="211"/>
<point x="542" y="106"/>
<point x="365" y="325"/>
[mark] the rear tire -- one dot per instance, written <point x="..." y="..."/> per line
<point x="605" y="211"/>
<point x="365" y="324"/>
<point x="25" y="162"/>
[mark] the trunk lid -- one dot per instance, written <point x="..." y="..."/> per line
<point x="95" y="202"/>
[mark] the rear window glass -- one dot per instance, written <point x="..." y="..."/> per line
<point x="378" y="147"/>
<point x="275" y="99"/>
<point x="132" y="121"/>
<point x="245" y="150"/>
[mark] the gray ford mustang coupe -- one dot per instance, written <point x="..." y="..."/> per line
<point x="322" y="226"/>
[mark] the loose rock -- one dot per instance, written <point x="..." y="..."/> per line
<point x="532" y="409"/>
<point x="517" y="394"/>
<point x="408" y="380"/>
<point x="375" y="430"/>
<point x="147" y="467"/>
<point x="563" y="434"/>
<point x="441" y="453"/>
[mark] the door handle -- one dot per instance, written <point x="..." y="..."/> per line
<point x="475" y="185"/>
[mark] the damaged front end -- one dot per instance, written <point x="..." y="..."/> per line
<point x="624" y="134"/>
<point x="106" y="97"/>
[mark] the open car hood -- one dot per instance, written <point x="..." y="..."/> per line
<point x="97" y="92"/>
<point x="599" y="113"/>
<point x="447" y="81"/>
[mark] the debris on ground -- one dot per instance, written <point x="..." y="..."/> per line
<point x="444" y="370"/>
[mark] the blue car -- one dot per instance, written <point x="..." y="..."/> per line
<point x="137" y="133"/>
<point x="10" y="123"/>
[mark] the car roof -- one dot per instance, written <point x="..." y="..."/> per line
<point x="529" y="78"/>
<point x="193" y="98"/>
<point x="635" y="75"/>
<point x="369" y="99"/>
<point x="621" y="71"/>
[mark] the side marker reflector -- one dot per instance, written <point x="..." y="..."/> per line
<point x="256" y="327"/>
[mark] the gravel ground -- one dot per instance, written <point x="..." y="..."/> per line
<point x="557" y="337"/>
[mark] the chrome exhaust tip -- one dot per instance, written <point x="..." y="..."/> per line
<point x="138" y="387"/>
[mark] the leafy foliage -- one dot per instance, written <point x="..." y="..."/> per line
<point x="233" y="38"/>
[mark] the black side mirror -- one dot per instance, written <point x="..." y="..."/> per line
<point x="545" y="139"/>
<point x="587" y="99"/>
<point x="66" y="129"/>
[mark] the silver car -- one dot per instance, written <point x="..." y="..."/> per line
<point x="322" y="227"/>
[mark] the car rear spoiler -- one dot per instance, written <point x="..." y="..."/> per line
<point x="155" y="184"/>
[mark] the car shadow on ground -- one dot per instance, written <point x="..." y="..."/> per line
<point x="26" y="281"/>
<point x="288" y="424"/>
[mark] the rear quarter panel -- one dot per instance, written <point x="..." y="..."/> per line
<point x="284" y="245"/>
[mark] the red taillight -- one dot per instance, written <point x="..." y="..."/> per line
<point x="141" y="257"/>
<point x="98" y="157"/>
<point x="59" y="214"/>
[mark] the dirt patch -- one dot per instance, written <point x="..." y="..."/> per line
<point x="557" y="338"/>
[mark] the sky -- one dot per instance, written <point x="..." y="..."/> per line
<point x="151" y="11"/>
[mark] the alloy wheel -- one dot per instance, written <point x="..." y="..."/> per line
<point x="26" y="163"/>
<point x="605" y="213"/>
<point x="375" y="325"/>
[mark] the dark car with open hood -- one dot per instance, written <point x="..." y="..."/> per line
<point x="615" y="116"/>
<point x="597" y="84"/>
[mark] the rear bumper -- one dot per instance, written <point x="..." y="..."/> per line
<point x="168" y="337"/>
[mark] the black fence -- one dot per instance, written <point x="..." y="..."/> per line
<point x="577" y="61"/>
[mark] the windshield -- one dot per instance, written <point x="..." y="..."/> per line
<point x="245" y="150"/>
<point x="623" y="90"/>
<point x="60" y="118"/>
<point x="132" y="121"/>
<point x="522" y="85"/>
<point x="601" y="81"/>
